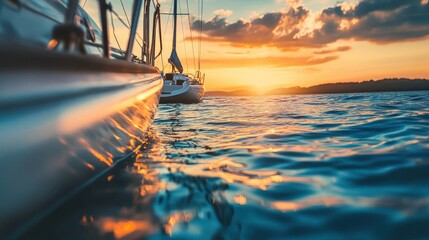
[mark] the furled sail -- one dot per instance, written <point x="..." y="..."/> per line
<point x="175" y="61"/>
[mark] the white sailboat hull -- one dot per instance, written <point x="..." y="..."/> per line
<point x="188" y="94"/>
<point x="178" y="86"/>
<point x="65" y="120"/>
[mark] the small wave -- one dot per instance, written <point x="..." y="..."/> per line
<point x="326" y="125"/>
<point x="357" y="97"/>
<point x="336" y="112"/>
<point x="305" y="167"/>
<point x="231" y="123"/>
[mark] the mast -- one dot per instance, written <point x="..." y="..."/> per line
<point x="174" y="58"/>
<point x="71" y="12"/>
<point x="105" y="30"/>
<point x="133" y="28"/>
<point x="175" y="25"/>
<point x="201" y="12"/>
<point x="146" y="21"/>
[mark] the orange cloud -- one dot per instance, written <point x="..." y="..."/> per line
<point x="338" y="49"/>
<point x="275" y="62"/>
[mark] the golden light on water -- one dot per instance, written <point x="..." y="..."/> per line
<point x="105" y="157"/>
<point x="108" y="160"/>
<point x="138" y="224"/>
<point x="196" y="174"/>
<point x="173" y="220"/>
<point x="298" y="205"/>
<point x="233" y="172"/>
<point x="85" y="220"/>
<point x="90" y="166"/>
<point x="110" y="178"/>
<point x="240" y="199"/>
<point x="150" y="182"/>
<point x="123" y="228"/>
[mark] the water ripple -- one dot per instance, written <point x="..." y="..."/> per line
<point x="344" y="166"/>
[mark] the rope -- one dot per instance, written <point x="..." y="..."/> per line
<point x="162" y="62"/>
<point x="201" y="34"/>
<point x="153" y="2"/>
<point x="126" y="25"/>
<point x="129" y="24"/>
<point x="160" y="36"/>
<point x="114" y="33"/>
<point x="158" y="9"/>
<point x="120" y="19"/>
<point x="192" y="38"/>
<point x="84" y="3"/>
<point x="165" y="32"/>
<point x="156" y="21"/>
<point x="125" y="12"/>
<point x="184" y="42"/>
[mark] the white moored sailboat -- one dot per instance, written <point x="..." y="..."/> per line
<point x="179" y="87"/>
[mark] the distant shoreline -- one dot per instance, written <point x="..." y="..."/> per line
<point x="383" y="85"/>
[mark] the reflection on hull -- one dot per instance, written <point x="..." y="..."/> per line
<point x="140" y="201"/>
<point x="66" y="118"/>
<point x="57" y="139"/>
<point x="194" y="94"/>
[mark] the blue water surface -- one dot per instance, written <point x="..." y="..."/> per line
<point x="340" y="166"/>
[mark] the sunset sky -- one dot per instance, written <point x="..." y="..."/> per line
<point x="264" y="44"/>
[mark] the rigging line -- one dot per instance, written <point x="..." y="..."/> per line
<point x="165" y="32"/>
<point x="160" y="39"/>
<point x="168" y="19"/>
<point x="184" y="41"/>
<point x="157" y="19"/>
<point x="158" y="7"/>
<point x="198" y="36"/>
<point x="125" y="24"/>
<point x="159" y="30"/>
<point x="201" y="34"/>
<point x="192" y="39"/>
<point x="84" y="3"/>
<point x="125" y="12"/>
<point x="153" y="2"/>
<point x="120" y="19"/>
<point x="114" y="33"/>
<point x="162" y="62"/>
<point x="128" y="20"/>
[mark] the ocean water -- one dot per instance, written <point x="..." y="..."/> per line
<point x="340" y="166"/>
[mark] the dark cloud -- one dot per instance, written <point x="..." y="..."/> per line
<point x="257" y="32"/>
<point x="379" y="21"/>
<point x="370" y="6"/>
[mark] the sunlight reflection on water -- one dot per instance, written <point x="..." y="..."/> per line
<point x="314" y="167"/>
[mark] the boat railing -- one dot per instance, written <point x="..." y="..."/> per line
<point x="148" y="49"/>
<point x="199" y="77"/>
